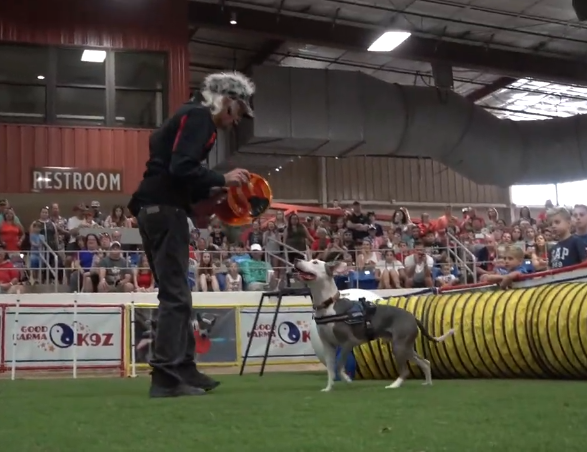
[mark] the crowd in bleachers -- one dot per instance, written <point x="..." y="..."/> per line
<point x="458" y="247"/>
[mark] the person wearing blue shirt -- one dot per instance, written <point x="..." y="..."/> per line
<point x="570" y="249"/>
<point x="580" y="221"/>
<point x="514" y="267"/>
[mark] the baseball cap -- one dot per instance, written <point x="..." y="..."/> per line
<point x="234" y="85"/>
<point x="95" y="204"/>
<point x="256" y="247"/>
<point x="115" y="243"/>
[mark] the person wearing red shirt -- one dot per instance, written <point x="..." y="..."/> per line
<point x="9" y="276"/>
<point x="143" y="276"/>
<point x="445" y="220"/>
<point x="320" y="245"/>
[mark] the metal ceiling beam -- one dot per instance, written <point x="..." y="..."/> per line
<point x="268" y="49"/>
<point x="309" y="31"/>
<point x="496" y="85"/>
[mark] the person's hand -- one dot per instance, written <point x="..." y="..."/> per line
<point x="236" y="177"/>
<point x="103" y="285"/>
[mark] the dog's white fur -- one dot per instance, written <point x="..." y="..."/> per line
<point x="319" y="277"/>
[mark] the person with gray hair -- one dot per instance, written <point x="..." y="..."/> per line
<point x="176" y="179"/>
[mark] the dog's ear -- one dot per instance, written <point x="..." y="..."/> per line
<point x="213" y="320"/>
<point x="335" y="268"/>
<point x="199" y="317"/>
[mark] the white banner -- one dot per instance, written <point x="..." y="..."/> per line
<point x="291" y="338"/>
<point x="47" y="337"/>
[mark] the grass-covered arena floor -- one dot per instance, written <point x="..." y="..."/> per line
<point x="287" y="412"/>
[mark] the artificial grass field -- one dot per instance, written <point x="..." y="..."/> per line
<point x="286" y="412"/>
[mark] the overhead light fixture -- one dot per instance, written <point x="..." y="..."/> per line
<point x="389" y="41"/>
<point x="94" y="56"/>
<point x="232" y="18"/>
<point x="41" y="77"/>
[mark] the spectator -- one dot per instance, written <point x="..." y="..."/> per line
<point x="115" y="276"/>
<point x="35" y="239"/>
<point x="240" y="254"/>
<point x="74" y="223"/>
<point x="492" y="217"/>
<point x="206" y="276"/>
<point x="525" y="215"/>
<point x="217" y="236"/>
<point x="116" y="219"/>
<point x="280" y="222"/>
<point x="321" y="244"/>
<point x="486" y="256"/>
<point x="446" y="278"/>
<point x="311" y="226"/>
<point x="234" y="281"/>
<point x="87" y="258"/>
<point x="425" y="224"/>
<point x="60" y="222"/>
<point x="143" y="279"/>
<point x="389" y="271"/>
<point x="11" y="233"/>
<point x="272" y="243"/>
<point x="97" y="216"/>
<point x="580" y="222"/>
<point x="514" y="265"/>
<point x="255" y="237"/>
<point x="517" y="239"/>
<point x="539" y="254"/>
<point x="570" y="249"/>
<point x="543" y="215"/>
<point x="5" y="206"/>
<point x="358" y="223"/>
<point x="419" y="268"/>
<point x="89" y="220"/>
<point x="373" y="223"/>
<point x="367" y="258"/>
<point x="9" y="276"/>
<point x="255" y="270"/>
<point x="296" y="237"/>
<point x="447" y="219"/>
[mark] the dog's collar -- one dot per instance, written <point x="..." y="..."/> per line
<point x="329" y="302"/>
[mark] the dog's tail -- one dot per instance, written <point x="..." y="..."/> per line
<point x="428" y="336"/>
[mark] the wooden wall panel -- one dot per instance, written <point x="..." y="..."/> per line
<point x="23" y="148"/>
<point x="156" y="25"/>
<point x="298" y="181"/>
<point x="408" y="180"/>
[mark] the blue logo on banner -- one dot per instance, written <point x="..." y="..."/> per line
<point x="289" y="333"/>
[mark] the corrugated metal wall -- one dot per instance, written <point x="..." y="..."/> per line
<point x="298" y="181"/>
<point x="410" y="180"/>
<point x="157" y="25"/>
<point x="382" y="179"/>
<point x="23" y="148"/>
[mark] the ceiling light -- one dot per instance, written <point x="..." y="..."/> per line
<point x="94" y="56"/>
<point x="41" y="77"/>
<point x="389" y="41"/>
<point x="233" y="19"/>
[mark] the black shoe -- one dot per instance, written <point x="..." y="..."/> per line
<point x="195" y="378"/>
<point x="156" y="392"/>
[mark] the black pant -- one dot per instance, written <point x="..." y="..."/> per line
<point x="166" y="239"/>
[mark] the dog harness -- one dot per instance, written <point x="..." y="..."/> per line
<point x="360" y="312"/>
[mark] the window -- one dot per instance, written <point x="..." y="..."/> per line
<point x="566" y="194"/>
<point x="59" y="85"/>
<point x="140" y="81"/>
<point x="23" y="75"/>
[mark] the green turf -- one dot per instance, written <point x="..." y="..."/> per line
<point x="286" y="412"/>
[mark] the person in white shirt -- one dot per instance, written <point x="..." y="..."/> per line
<point x="389" y="271"/>
<point x="234" y="281"/>
<point x="419" y="267"/>
<point x="73" y="224"/>
<point x="446" y="278"/>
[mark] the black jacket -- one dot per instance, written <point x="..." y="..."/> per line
<point x="175" y="175"/>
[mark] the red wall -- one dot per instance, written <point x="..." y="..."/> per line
<point x="156" y="25"/>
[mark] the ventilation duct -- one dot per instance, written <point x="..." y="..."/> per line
<point x="322" y="113"/>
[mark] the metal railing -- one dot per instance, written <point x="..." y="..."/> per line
<point x="459" y="252"/>
<point x="57" y="267"/>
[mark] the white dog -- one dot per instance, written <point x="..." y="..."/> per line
<point x="346" y="323"/>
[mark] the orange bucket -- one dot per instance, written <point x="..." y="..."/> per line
<point x="245" y="203"/>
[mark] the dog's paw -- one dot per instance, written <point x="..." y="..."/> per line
<point x="427" y="383"/>
<point x="346" y="378"/>
<point x="326" y="390"/>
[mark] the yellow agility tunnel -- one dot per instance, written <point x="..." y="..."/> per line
<point x="538" y="332"/>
